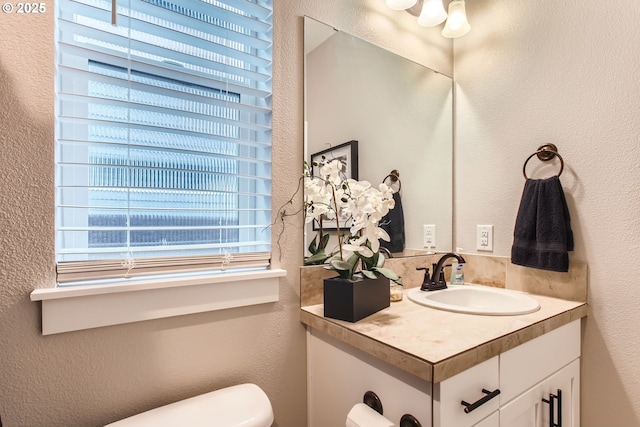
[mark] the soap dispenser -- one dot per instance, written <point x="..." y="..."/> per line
<point x="457" y="274"/>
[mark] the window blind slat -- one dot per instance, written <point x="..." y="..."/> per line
<point x="164" y="128"/>
<point x="101" y="10"/>
<point x="135" y="253"/>
<point x="229" y="16"/>
<point x="163" y="92"/>
<point x="255" y="9"/>
<point x="216" y="17"/>
<point x="180" y="29"/>
<point x="140" y="198"/>
<point x="167" y="70"/>
<point x="121" y="212"/>
<point x="80" y="271"/>
<point x="74" y="57"/>
<point x="148" y="33"/>
<point x="152" y="252"/>
<point x="101" y="109"/>
<point x="83" y="130"/>
<point x="158" y="228"/>
<point x="157" y="178"/>
<point x="216" y="158"/>
<point x="239" y="16"/>
<point x="233" y="69"/>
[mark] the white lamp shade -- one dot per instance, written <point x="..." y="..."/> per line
<point x="432" y="14"/>
<point x="457" y="24"/>
<point x="401" y="4"/>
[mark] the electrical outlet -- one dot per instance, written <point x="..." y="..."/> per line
<point x="429" y="235"/>
<point x="485" y="238"/>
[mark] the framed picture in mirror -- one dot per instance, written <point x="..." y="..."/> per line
<point x="347" y="154"/>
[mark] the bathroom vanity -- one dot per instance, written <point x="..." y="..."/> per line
<point x="418" y="360"/>
<point x="510" y="370"/>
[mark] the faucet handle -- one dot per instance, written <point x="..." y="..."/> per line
<point x="427" y="279"/>
<point x="441" y="280"/>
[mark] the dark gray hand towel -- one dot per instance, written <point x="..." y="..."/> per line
<point x="542" y="235"/>
<point x="393" y="224"/>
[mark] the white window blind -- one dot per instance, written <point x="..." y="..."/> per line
<point x="163" y="139"/>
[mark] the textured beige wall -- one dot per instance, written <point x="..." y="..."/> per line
<point x="563" y="72"/>
<point x="92" y="377"/>
<point x="528" y="73"/>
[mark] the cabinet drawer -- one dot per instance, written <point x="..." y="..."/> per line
<point x="466" y="386"/>
<point x="524" y="366"/>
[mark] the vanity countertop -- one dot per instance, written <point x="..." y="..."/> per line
<point x="434" y="344"/>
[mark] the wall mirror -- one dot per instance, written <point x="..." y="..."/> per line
<point x="399" y="112"/>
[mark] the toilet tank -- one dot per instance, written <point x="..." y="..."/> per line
<point x="244" y="405"/>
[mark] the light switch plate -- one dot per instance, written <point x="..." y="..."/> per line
<point x="484" y="238"/>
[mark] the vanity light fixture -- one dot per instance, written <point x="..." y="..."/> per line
<point x="431" y="13"/>
<point x="457" y="24"/>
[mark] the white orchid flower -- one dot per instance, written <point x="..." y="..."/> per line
<point x="359" y="248"/>
<point x="331" y="196"/>
<point x="332" y="172"/>
<point x="362" y="250"/>
<point x="374" y="233"/>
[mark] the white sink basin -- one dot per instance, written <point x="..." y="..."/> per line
<point x="474" y="299"/>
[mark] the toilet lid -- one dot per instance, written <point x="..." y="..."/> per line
<point x="244" y="405"/>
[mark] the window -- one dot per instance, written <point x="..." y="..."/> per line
<point x="163" y="138"/>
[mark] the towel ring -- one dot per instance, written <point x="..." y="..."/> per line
<point x="545" y="153"/>
<point x="394" y="176"/>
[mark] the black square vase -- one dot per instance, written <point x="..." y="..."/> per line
<point x="352" y="300"/>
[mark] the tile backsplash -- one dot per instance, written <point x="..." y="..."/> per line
<point x="480" y="269"/>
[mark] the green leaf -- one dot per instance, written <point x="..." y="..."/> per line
<point x="312" y="246"/>
<point x="317" y="258"/>
<point x="369" y="274"/>
<point x="367" y="263"/>
<point x="345" y="268"/>
<point x="324" y="240"/>
<point x="389" y="274"/>
<point x="380" y="262"/>
<point x="353" y="261"/>
<point x="339" y="265"/>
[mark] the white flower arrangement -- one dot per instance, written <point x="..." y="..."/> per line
<point x="329" y="195"/>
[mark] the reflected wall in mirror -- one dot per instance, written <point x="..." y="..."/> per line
<point x="401" y="114"/>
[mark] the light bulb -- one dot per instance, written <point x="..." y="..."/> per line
<point x="457" y="24"/>
<point x="401" y="4"/>
<point x="432" y="14"/>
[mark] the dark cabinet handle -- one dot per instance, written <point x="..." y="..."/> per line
<point x="559" y="397"/>
<point x="475" y="405"/>
<point x="553" y="407"/>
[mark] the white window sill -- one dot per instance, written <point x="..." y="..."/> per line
<point x="74" y="308"/>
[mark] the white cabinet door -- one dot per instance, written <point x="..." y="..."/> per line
<point x="565" y="386"/>
<point x="526" y="410"/>
<point x="533" y="407"/>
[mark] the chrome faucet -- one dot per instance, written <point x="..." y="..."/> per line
<point x="437" y="281"/>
